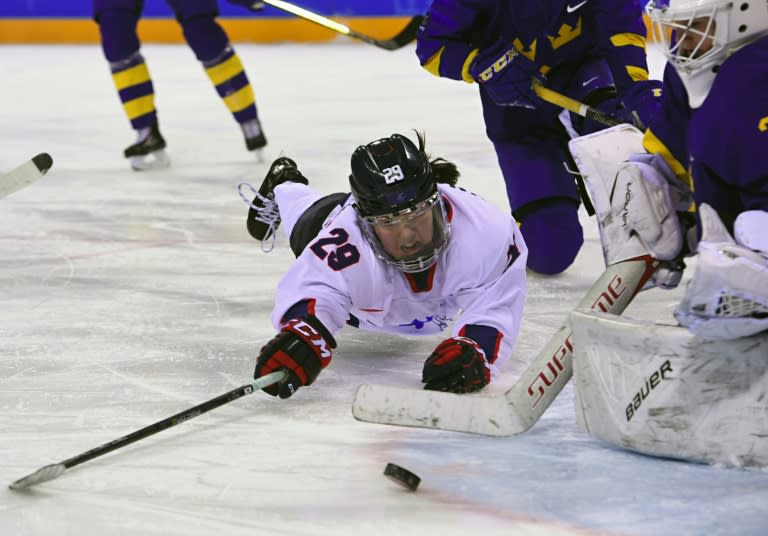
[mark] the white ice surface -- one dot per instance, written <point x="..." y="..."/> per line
<point x="128" y="297"/>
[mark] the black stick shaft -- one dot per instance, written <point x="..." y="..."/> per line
<point x="405" y="36"/>
<point x="180" y="417"/>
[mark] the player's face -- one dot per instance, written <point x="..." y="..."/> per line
<point x="407" y="238"/>
<point x="697" y="39"/>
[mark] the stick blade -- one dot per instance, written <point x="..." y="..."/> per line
<point x="49" y="472"/>
<point x="472" y="414"/>
<point x="25" y="174"/>
<point x="406" y="35"/>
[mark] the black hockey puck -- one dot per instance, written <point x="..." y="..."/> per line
<point x="402" y="476"/>
<point x="43" y="162"/>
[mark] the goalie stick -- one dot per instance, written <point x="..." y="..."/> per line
<point x="405" y="36"/>
<point x="49" y="472"/>
<point x="524" y="403"/>
<point x="25" y="174"/>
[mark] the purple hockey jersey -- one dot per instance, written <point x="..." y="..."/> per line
<point x="722" y="146"/>
<point x="552" y="33"/>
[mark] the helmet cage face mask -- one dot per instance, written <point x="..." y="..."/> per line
<point x="674" y="25"/>
<point x="721" y="25"/>
<point x="428" y="255"/>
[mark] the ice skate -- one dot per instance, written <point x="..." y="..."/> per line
<point x="148" y="153"/>
<point x="263" y="215"/>
<point x="254" y="137"/>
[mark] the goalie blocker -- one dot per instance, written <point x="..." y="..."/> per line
<point x="660" y="390"/>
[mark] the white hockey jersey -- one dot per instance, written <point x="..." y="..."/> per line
<point x="477" y="287"/>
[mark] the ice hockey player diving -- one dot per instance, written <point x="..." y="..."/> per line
<point x="406" y="252"/>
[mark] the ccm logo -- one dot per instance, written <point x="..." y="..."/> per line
<point x="499" y="65"/>
<point x="313" y="336"/>
<point x="554" y="366"/>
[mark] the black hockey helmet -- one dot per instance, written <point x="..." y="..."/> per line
<point x="393" y="185"/>
<point x="390" y="175"/>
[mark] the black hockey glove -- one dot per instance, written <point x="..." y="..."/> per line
<point x="302" y="349"/>
<point x="457" y="365"/>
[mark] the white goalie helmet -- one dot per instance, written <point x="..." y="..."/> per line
<point x="697" y="36"/>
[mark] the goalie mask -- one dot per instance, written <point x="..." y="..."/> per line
<point x="399" y="207"/>
<point x="697" y="36"/>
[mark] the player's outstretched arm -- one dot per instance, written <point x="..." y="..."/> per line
<point x="302" y="349"/>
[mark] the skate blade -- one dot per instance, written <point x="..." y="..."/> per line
<point x="150" y="162"/>
<point x="258" y="154"/>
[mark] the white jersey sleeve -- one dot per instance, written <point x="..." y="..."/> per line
<point x="476" y="288"/>
<point x="486" y="274"/>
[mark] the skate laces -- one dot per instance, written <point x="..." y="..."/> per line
<point x="268" y="213"/>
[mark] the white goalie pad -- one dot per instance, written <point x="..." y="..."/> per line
<point x="660" y="390"/>
<point x="599" y="156"/>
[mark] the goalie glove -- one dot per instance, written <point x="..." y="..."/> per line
<point x="302" y="349"/>
<point x="457" y="365"/>
<point x="652" y="203"/>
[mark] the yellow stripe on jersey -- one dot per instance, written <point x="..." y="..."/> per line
<point x="637" y="74"/>
<point x="138" y="107"/>
<point x="628" y="40"/>
<point x="465" y="68"/>
<point x="432" y="65"/>
<point x="225" y="70"/>
<point x="654" y="145"/>
<point x="240" y="99"/>
<point x="133" y="76"/>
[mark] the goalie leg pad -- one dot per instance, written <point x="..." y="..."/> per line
<point x="659" y="390"/>
<point x="598" y="157"/>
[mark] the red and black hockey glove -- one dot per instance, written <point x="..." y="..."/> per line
<point x="302" y="349"/>
<point x="457" y="365"/>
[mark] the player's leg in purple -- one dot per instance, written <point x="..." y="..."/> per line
<point x="117" y="20"/>
<point x="212" y="48"/>
<point x="531" y="147"/>
<point x="544" y="200"/>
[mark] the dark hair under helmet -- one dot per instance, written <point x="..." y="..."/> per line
<point x="392" y="184"/>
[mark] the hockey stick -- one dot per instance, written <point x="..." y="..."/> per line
<point x="25" y="174"/>
<point x="405" y="36"/>
<point x="579" y="108"/>
<point x="524" y="403"/>
<point x="49" y="472"/>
